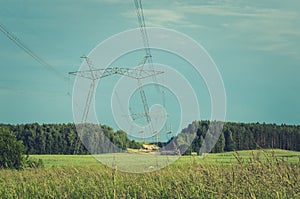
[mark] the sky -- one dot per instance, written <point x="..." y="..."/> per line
<point x="254" y="44"/>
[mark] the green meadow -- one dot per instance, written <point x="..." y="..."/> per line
<point x="243" y="174"/>
<point x="227" y="158"/>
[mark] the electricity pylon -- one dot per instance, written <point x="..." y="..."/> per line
<point x="95" y="74"/>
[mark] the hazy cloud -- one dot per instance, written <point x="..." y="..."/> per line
<point x="268" y="28"/>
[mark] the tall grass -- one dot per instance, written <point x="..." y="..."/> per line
<point x="259" y="176"/>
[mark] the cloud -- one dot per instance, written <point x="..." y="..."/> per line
<point x="220" y="10"/>
<point x="163" y="18"/>
<point x="111" y="1"/>
<point x="264" y="27"/>
<point x="270" y="30"/>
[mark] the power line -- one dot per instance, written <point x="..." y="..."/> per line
<point x="31" y="53"/>
<point x="145" y="38"/>
<point x="142" y="25"/>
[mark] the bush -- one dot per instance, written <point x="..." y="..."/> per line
<point x="11" y="151"/>
<point x="33" y="163"/>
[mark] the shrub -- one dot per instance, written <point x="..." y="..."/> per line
<point x="11" y="150"/>
<point x="33" y="163"/>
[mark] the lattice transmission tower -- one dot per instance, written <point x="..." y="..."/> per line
<point x="137" y="73"/>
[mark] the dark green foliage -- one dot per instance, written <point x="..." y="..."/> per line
<point x="239" y="136"/>
<point x="220" y="145"/>
<point x="64" y="139"/>
<point x="11" y="150"/>
<point x="33" y="163"/>
<point x="229" y="142"/>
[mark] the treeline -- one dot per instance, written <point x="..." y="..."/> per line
<point x="236" y="136"/>
<point x="64" y="139"/>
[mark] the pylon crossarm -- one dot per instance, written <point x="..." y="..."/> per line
<point x="141" y="73"/>
<point x="83" y="74"/>
<point x="129" y="72"/>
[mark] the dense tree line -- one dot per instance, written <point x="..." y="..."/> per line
<point x="64" y="139"/>
<point x="237" y="136"/>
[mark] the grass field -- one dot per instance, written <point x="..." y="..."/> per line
<point x="227" y="158"/>
<point x="246" y="174"/>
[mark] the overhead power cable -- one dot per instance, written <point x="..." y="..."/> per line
<point x="31" y="53"/>
<point x="142" y="25"/>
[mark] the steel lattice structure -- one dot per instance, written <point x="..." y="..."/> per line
<point x="137" y="73"/>
<point x="95" y="74"/>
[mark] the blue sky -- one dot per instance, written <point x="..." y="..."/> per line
<point x="254" y="43"/>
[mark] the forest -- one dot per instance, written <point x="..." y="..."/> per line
<point x="239" y="136"/>
<point x="63" y="138"/>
